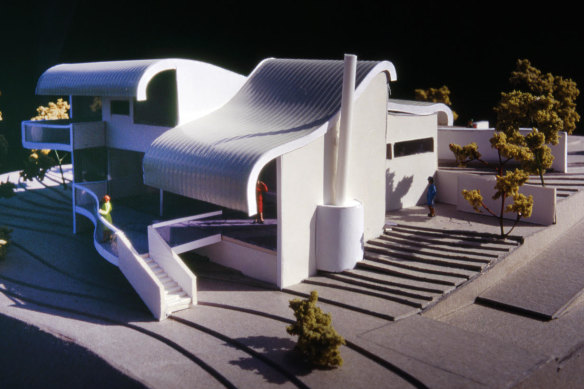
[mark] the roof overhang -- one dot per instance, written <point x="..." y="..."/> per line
<point x="112" y="78"/>
<point x="284" y="105"/>
<point x="423" y="108"/>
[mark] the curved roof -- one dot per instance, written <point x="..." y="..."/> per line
<point x="284" y="105"/>
<point x="445" y="117"/>
<point x="112" y="78"/>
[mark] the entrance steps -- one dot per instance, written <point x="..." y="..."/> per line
<point x="175" y="297"/>
<point x="407" y="269"/>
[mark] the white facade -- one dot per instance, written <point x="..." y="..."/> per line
<point x="409" y="164"/>
<point x="229" y="127"/>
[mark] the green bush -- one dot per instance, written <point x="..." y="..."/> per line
<point x="317" y="339"/>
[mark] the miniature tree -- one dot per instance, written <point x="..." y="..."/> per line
<point x="436" y="95"/>
<point x="317" y="339"/>
<point x="40" y="161"/>
<point x="507" y="186"/>
<point x="466" y="154"/>
<point x="543" y="102"/>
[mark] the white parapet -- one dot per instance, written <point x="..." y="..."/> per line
<point x="339" y="236"/>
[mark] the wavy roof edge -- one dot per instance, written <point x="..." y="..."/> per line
<point x="285" y="104"/>
<point x="445" y="115"/>
<point x="126" y="78"/>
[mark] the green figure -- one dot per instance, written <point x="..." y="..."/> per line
<point x="105" y="211"/>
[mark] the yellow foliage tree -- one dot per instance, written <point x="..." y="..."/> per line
<point x="40" y="161"/>
<point x="436" y="95"/>
<point x="54" y="111"/>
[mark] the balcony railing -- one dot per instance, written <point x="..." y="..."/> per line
<point x="63" y="135"/>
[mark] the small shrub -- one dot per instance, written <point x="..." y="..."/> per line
<point x="317" y="339"/>
<point x="7" y="189"/>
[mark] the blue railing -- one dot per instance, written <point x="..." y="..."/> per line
<point x="64" y="135"/>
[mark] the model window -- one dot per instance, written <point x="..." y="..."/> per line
<point x="389" y="152"/>
<point x="86" y="108"/>
<point x="411" y="147"/>
<point x="160" y="109"/>
<point x="120" y="107"/>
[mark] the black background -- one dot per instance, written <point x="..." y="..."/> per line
<point x="471" y="49"/>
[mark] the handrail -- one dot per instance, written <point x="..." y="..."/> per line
<point x="44" y="123"/>
<point x="132" y="265"/>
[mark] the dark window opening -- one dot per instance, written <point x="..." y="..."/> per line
<point x="120" y="107"/>
<point x="389" y="152"/>
<point x="90" y="164"/>
<point x="160" y="108"/>
<point x="86" y="108"/>
<point x="411" y="147"/>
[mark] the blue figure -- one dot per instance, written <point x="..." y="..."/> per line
<point x="430" y="196"/>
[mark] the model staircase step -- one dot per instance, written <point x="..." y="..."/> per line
<point x="557" y="182"/>
<point x="175" y="297"/>
<point x="417" y="266"/>
<point x="173" y="289"/>
<point x="471" y="239"/>
<point x="445" y="241"/>
<point x="372" y="305"/>
<point x="413" y="244"/>
<point x="351" y="282"/>
<point x="409" y="273"/>
<point x="394" y="281"/>
<point x="381" y="247"/>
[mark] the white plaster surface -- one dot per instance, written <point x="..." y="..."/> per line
<point x="339" y="236"/>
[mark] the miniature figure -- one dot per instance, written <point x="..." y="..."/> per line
<point x="430" y="196"/>
<point x="261" y="188"/>
<point x="105" y="210"/>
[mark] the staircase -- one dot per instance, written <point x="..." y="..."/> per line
<point x="407" y="269"/>
<point x="175" y="297"/>
<point x="161" y="279"/>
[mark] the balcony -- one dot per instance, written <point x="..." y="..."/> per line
<point x="64" y="135"/>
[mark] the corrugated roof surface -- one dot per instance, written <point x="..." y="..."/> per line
<point x="284" y="104"/>
<point x="119" y="78"/>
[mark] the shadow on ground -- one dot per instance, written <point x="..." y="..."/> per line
<point x="31" y="358"/>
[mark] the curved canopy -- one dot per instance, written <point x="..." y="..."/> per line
<point x="284" y="105"/>
<point x="445" y="116"/>
<point x="114" y="78"/>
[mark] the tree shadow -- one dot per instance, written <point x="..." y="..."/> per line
<point x="393" y="197"/>
<point x="274" y="351"/>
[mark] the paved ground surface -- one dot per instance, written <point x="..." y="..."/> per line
<point x="69" y="319"/>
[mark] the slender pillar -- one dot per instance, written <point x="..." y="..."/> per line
<point x="349" y="73"/>
<point x="340" y="225"/>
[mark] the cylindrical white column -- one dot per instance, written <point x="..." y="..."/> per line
<point x="349" y="73"/>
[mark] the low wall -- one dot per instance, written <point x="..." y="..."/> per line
<point x="253" y="261"/>
<point x="464" y="136"/>
<point x="450" y="185"/>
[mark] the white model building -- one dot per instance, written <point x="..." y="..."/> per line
<point x="340" y="154"/>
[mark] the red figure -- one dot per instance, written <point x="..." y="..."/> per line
<point x="261" y="188"/>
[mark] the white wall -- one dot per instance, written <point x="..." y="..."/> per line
<point x="300" y="189"/>
<point x="122" y="133"/>
<point x="204" y="89"/>
<point x="464" y="136"/>
<point x="367" y="155"/>
<point x="450" y="186"/>
<point x="407" y="176"/>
